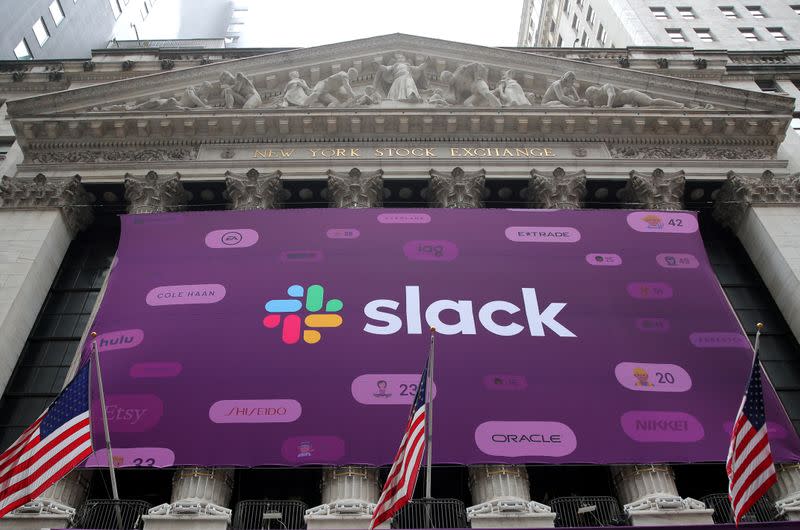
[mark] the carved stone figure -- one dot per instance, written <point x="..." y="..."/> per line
<point x="509" y="91"/>
<point x="152" y="194"/>
<point x="657" y="191"/>
<point x="238" y="91"/>
<point x="254" y="191"/>
<point x="192" y="97"/>
<point x="739" y="192"/>
<point x="469" y="86"/>
<point x="437" y="98"/>
<point x="562" y="92"/>
<point x="401" y="81"/>
<point x="457" y="189"/>
<point x="334" y="90"/>
<point x="608" y="95"/>
<point x="296" y="91"/>
<point x="371" y="96"/>
<point x="558" y="190"/>
<point x="66" y="193"/>
<point x="355" y="189"/>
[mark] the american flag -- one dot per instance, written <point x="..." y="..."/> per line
<point x="749" y="464"/>
<point x="58" y="440"/>
<point x="399" y="486"/>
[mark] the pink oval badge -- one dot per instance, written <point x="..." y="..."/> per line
<point x="660" y="426"/>
<point x="203" y="293"/>
<point x="155" y="370"/>
<point x="343" y="233"/>
<point x="119" y="340"/>
<point x="404" y="218"/>
<point x="436" y="250"/>
<point x="505" y="382"/>
<point x="255" y="411"/>
<point x="232" y="238"/>
<point x="663" y="222"/>
<point x="604" y="260"/>
<point x="132" y="412"/>
<point x="293" y="256"/>
<point x="775" y="431"/>
<point x="386" y="389"/>
<point x="650" y="290"/>
<point x="719" y="339"/>
<point x="133" y="457"/>
<point x="525" y="438"/>
<point x="313" y="449"/>
<point x="650" y="377"/>
<point x="652" y="325"/>
<point x="677" y="261"/>
<point x="543" y="234"/>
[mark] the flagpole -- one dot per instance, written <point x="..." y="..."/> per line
<point x="114" y="491"/>
<point x="429" y="416"/>
<point x="759" y="327"/>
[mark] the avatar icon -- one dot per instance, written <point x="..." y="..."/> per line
<point x="381" y="393"/>
<point x="304" y="449"/>
<point x="642" y="377"/>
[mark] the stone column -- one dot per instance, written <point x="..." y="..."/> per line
<point x="254" y="191"/>
<point x="786" y="493"/>
<point x="199" y="495"/>
<point x="349" y="493"/>
<point x="656" y="191"/>
<point x="764" y="213"/>
<point x="39" y="216"/>
<point x="650" y="497"/>
<point x="648" y="492"/>
<point x="559" y="190"/>
<point x="457" y="189"/>
<point x="501" y="499"/>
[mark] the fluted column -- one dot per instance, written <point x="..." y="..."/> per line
<point x="254" y="191"/>
<point x="199" y="495"/>
<point x="457" y="189"/>
<point x="557" y="190"/>
<point x="501" y="499"/>
<point x="349" y="493"/>
<point x="786" y="492"/>
<point x="154" y="194"/>
<point x="41" y="215"/>
<point x="655" y="191"/>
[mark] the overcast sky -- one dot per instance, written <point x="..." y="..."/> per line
<point x="303" y="23"/>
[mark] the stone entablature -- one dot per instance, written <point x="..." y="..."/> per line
<point x="53" y="192"/>
<point x="742" y="191"/>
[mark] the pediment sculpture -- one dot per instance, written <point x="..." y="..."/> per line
<point x="400" y="83"/>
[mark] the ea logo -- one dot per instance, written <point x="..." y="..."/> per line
<point x="231" y="238"/>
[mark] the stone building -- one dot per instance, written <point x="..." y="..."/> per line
<point x="145" y="131"/>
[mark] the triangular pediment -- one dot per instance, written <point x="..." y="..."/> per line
<point x="270" y="73"/>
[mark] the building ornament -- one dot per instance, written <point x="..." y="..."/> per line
<point x="740" y="192"/>
<point x="656" y="191"/>
<point x="698" y="153"/>
<point x="137" y="155"/>
<point x="651" y="488"/>
<point x="559" y="189"/>
<point x="153" y="194"/>
<point x="65" y="193"/>
<point x="401" y="80"/>
<point x="254" y="191"/>
<point x="198" y="491"/>
<point x="457" y="189"/>
<point x="355" y="189"/>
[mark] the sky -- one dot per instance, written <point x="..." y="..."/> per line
<point x="304" y="23"/>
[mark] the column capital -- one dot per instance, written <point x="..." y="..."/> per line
<point x="655" y="191"/>
<point x="355" y="189"/>
<point x="66" y="193"/>
<point x="254" y="191"/>
<point x="457" y="189"/>
<point x="742" y="191"/>
<point x="152" y="193"/>
<point x="558" y="189"/>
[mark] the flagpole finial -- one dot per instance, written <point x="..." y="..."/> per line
<point x="760" y="326"/>
<point x="93" y="334"/>
<point x="433" y="329"/>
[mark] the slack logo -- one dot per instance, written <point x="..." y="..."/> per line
<point x="285" y="310"/>
<point x="536" y="317"/>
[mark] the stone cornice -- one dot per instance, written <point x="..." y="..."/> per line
<point x="43" y="192"/>
<point x="741" y="191"/>
<point x="363" y="50"/>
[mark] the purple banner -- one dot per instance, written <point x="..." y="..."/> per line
<point x="297" y="337"/>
